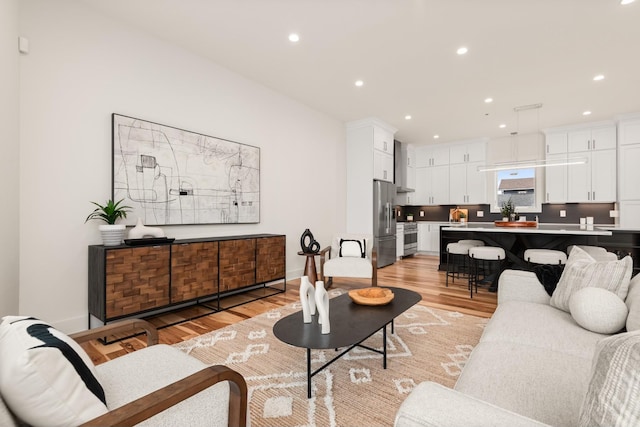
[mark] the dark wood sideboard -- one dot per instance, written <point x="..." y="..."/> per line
<point x="126" y="281"/>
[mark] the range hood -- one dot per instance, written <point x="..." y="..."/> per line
<point x="400" y="167"/>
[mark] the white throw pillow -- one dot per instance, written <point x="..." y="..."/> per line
<point x="598" y="310"/>
<point x="633" y="303"/>
<point x="612" y="395"/>
<point x="582" y="271"/>
<point x="353" y="248"/>
<point x="46" y="378"/>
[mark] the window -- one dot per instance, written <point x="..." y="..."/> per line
<point x="519" y="185"/>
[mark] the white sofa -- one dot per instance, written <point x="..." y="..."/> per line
<point x="532" y="366"/>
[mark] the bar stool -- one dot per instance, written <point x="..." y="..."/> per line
<point x="484" y="254"/>
<point x="457" y="255"/>
<point x="545" y="256"/>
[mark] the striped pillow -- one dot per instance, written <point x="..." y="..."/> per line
<point x="582" y="271"/>
<point x="613" y="396"/>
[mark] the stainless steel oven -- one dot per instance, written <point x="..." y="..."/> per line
<point x="410" y="238"/>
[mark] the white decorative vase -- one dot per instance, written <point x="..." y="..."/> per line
<point x="112" y="234"/>
<point x="322" y="304"/>
<point x="307" y="299"/>
<point x="141" y="230"/>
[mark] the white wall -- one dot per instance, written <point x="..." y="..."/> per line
<point x="9" y="157"/>
<point x="82" y="67"/>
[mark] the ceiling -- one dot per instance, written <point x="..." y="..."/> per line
<point x="520" y="53"/>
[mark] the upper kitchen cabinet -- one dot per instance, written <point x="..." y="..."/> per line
<point x="592" y="138"/>
<point x="369" y="156"/>
<point x="383" y="139"/>
<point x="432" y="186"/>
<point x="468" y="152"/>
<point x="432" y="155"/>
<point x="629" y="159"/>
<point x="593" y="181"/>
<point x="556" y="143"/>
<point x="405" y="170"/>
<point x="466" y="184"/>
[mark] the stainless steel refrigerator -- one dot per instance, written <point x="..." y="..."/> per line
<point x="384" y="222"/>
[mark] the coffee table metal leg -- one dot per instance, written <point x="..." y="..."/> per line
<point x="384" y="347"/>
<point x="308" y="373"/>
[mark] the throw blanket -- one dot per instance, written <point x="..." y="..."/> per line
<point x="549" y="275"/>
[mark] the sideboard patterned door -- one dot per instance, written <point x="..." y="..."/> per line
<point x="137" y="279"/>
<point x="237" y="264"/>
<point x="194" y="270"/>
<point x="270" y="258"/>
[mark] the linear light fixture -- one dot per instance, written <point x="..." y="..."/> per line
<point x="533" y="164"/>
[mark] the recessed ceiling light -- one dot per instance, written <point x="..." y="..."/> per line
<point x="586" y="113"/>
<point x="462" y="50"/>
<point x="359" y="83"/>
<point x="626" y="1"/>
<point x="488" y="100"/>
<point x="407" y="117"/>
<point x="293" y="37"/>
<point x="436" y="136"/>
<point x="598" y="77"/>
<point x="502" y="126"/>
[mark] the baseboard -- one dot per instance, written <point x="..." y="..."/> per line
<point x="71" y="325"/>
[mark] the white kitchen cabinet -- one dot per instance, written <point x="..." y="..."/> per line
<point x="399" y="240"/>
<point x="594" y="181"/>
<point x="590" y="139"/>
<point x="383" y="140"/>
<point x="556" y="143"/>
<point x="429" y="236"/>
<point x="432" y="186"/>
<point x="362" y="159"/>
<point x="410" y="162"/>
<point x="468" y="152"/>
<point x="466" y="184"/>
<point x="432" y="155"/>
<point x="556" y="180"/>
<point x="382" y="166"/>
<point x="629" y="161"/>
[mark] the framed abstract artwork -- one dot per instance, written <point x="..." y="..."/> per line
<point x="173" y="176"/>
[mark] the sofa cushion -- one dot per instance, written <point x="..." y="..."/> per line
<point x="633" y="304"/>
<point x="613" y="396"/>
<point x="46" y="378"/>
<point x="540" y="326"/>
<point x="598" y="310"/>
<point x="136" y="374"/>
<point x="542" y="384"/>
<point x="582" y="271"/>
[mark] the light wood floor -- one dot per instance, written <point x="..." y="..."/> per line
<point x="419" y="273"/>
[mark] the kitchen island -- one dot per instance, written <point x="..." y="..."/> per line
<point x="515" y="240"/>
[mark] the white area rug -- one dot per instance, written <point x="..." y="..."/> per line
<point x="428" y="344"/>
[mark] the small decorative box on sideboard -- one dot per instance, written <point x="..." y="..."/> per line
<point x="126" y="281"/>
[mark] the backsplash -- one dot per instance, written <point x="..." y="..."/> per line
<point x="550" y="213"/>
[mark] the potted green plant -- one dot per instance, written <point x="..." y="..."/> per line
<point x="110" y="212"/>
<point x="463" y="217"/>
<point x="508" y="210"/>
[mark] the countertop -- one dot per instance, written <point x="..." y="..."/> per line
<point x="489" y="227"/>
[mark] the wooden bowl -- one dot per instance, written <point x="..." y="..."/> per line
<point x="371" y="296"/>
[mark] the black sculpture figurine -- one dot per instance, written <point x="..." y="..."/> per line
<point x="308" y="244"/>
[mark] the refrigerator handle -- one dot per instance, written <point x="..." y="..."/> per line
<point x="388" y="206"/>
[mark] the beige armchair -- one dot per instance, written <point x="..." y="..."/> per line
<point x="160" y="384"/>
<point x="345" y="260"/>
